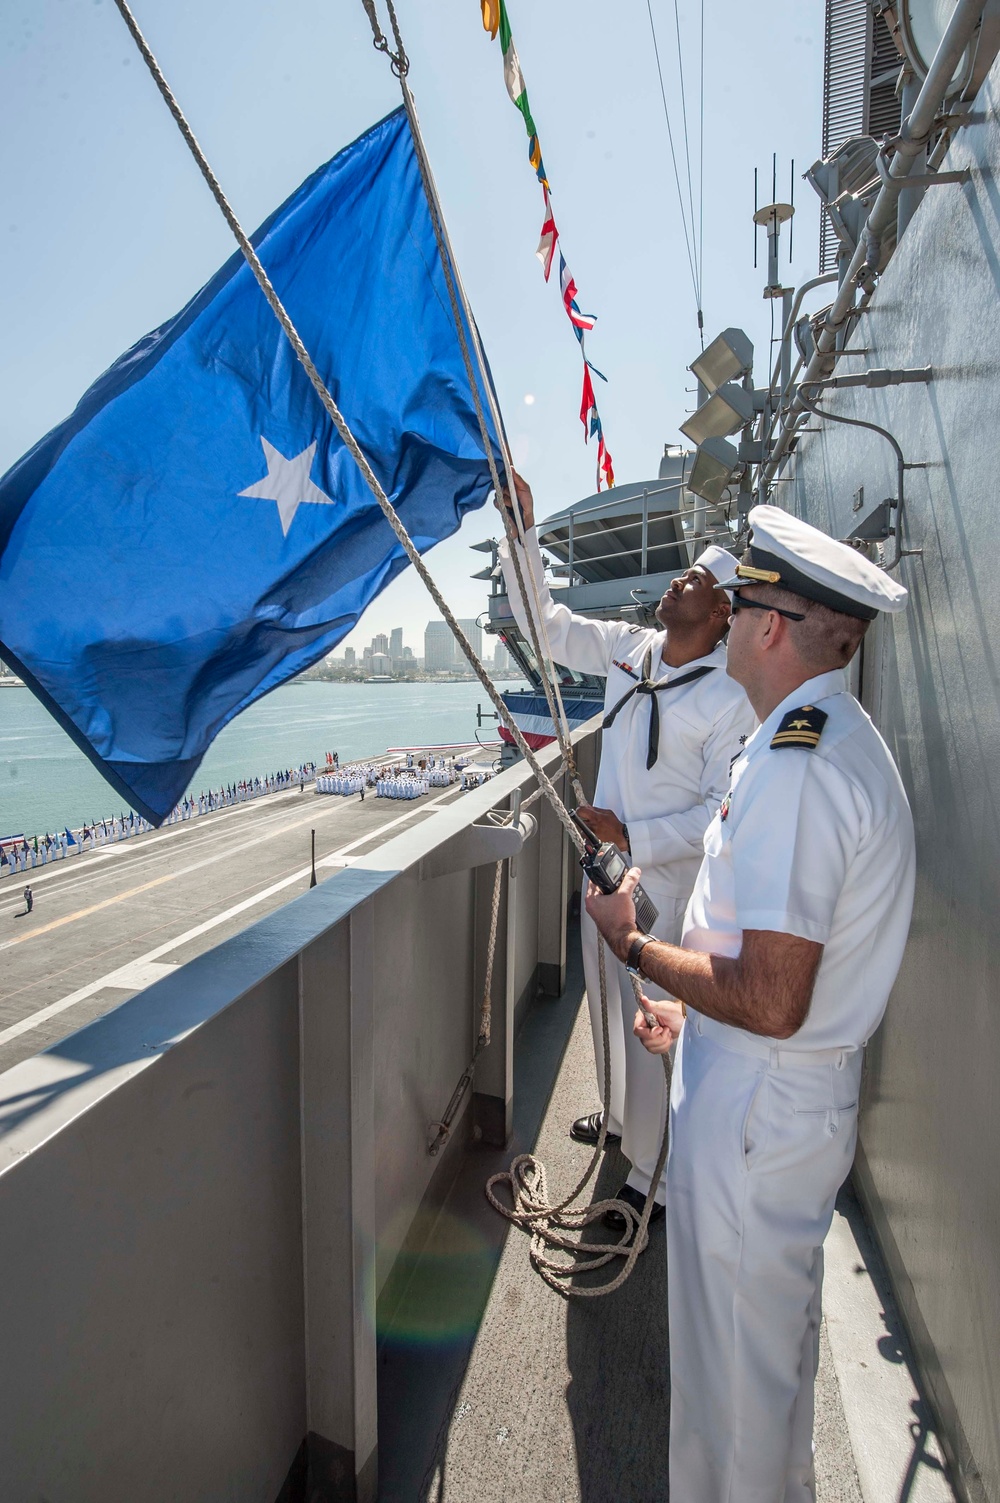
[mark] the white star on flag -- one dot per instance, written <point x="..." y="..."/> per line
<point x="287" y="482"/>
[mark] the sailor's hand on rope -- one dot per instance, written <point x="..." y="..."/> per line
<point x="524" y="500"/>
<point x="605" y="824"/>
<point x="670" y="1016"/>
<point x="614" y="912"/>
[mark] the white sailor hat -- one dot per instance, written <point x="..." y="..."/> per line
<point x="720" y="564"/>
<point x="786" y="551"/>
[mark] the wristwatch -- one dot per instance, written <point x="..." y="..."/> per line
<point x="635" y="949"/>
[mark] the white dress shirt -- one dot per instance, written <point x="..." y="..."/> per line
<point x="703" y="725"/>
<point x="818" y="843"/>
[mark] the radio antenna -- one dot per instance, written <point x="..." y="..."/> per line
<point x="755" y="207"/>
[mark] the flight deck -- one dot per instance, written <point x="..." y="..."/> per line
<point x="114" y="920"/>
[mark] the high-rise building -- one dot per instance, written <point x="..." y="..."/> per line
<point x="350" y="657"/>
<point x="381" y="664"/>
<point x="380" y="643"/>
<point x="501" y="658"/>
<point x="474" y="632"/>
<point x="407" y="654"/>
<point x="439" y="646"/>
<point x="396" y="644"/>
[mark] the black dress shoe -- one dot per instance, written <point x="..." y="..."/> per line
<point x="588" y="1130"/>
<point x="635" y="1198"/>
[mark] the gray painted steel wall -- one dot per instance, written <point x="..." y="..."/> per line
<point x="202" y="1193"/>
<point x="931" y="679"/>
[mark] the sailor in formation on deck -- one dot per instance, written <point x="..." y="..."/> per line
<point x="791" y="944"/>
<point x="674" y="724"/>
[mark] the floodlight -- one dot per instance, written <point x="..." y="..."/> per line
<point x="726" y="410"/>
<point x="716" y="465"/>
<point x="849" y="169"/>
<point x="729" y="356"/>
<point x="922" y="25"/>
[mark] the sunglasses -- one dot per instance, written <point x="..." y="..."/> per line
<point x="739" y="604"/>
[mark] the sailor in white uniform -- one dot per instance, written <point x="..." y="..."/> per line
<point x="791" y="944"/>
<point x="674" y="724"/>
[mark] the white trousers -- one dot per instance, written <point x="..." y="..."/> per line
<point x="758" y="1151"/>
<point x="637" y="1108"/>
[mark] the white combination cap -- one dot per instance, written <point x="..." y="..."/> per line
<point x="789" y="552"/>
<point x="720" y="564"/>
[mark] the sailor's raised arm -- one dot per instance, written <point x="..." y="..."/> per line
<point x="575" y="641"/>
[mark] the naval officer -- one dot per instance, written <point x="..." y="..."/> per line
<point x="674" y="723"/>
<point x="792" y="940"/>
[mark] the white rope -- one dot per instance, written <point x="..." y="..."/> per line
<point x="534" y="1181"/>
<point x="527" y="1175"/>
<point x="457" y="294"/>
<point x="485" y="1016"/>
<point x="548" y="1224"/>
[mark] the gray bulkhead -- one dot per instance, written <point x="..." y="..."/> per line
<point x="928" y="1160"/>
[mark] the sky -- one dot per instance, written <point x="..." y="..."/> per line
<point x="106" y="228"/>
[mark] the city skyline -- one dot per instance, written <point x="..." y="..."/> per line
<point x="385" y="651"/>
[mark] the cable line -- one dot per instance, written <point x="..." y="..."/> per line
<point x="673" y="157"/>
<point x="701" y="163"/>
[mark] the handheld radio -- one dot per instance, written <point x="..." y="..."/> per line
<point x="606" y="866"/>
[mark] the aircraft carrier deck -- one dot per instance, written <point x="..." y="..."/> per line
<point x="112" y="921"/>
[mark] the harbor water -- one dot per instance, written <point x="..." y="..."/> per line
<point x="46" y="783"/>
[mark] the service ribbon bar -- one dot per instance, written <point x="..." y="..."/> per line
<point x="496" y="22"/>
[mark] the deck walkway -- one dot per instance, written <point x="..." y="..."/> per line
<point x="492" y="1389"/>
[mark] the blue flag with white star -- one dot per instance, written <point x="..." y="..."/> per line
<point x="196" y="533"/>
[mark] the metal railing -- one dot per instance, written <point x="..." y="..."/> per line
<point x="205" y="1194"/>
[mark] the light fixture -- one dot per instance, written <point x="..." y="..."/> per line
<point x="728" y="357"/>
<point x="922" y="24"/>
<point x="492" y="570"/>
<point x="716" y="464"/>
<point x="727" y="409"/>
<point x="849" y="169"/>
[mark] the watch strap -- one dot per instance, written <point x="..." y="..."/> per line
<point x="635" y="949"/>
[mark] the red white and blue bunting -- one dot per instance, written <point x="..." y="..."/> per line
<point x="495" y="21"/>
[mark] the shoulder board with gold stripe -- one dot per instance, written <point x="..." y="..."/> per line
<point x="801" y="727"/>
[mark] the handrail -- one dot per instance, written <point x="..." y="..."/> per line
<point x="600" y="558"/>
<point x="786" y="333"/>
<point x="660" y="490"/>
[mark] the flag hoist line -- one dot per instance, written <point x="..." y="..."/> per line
<point x="526" y="1175"/>
<point x="496" y="22"/>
